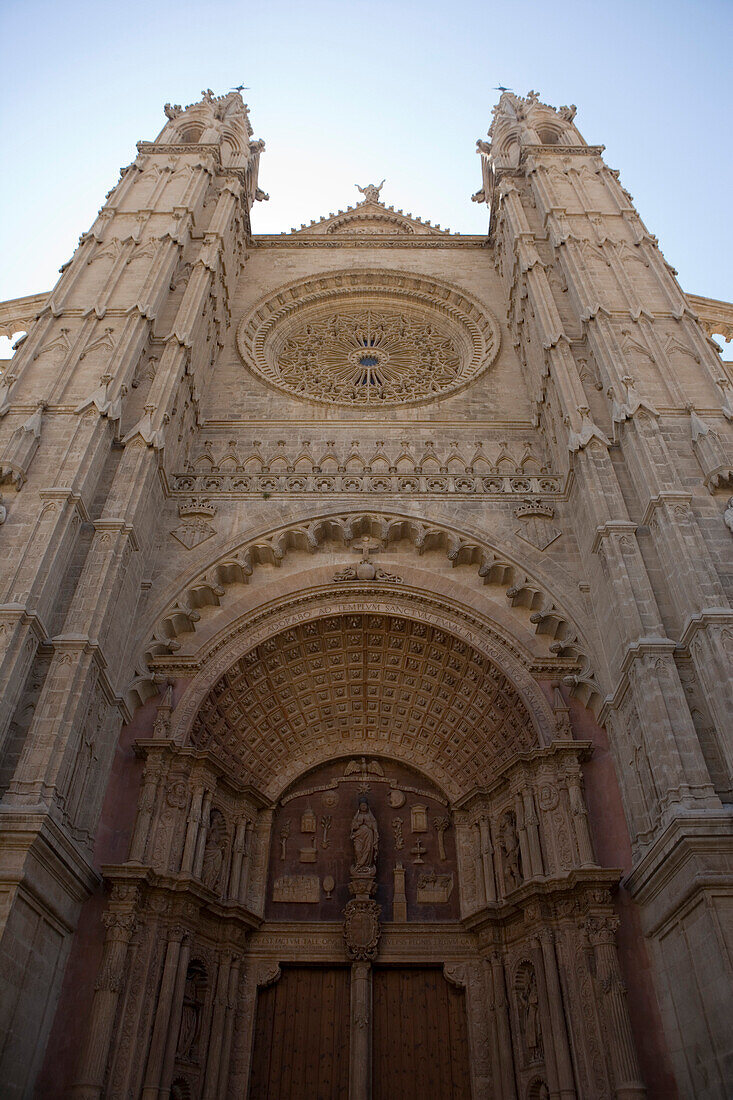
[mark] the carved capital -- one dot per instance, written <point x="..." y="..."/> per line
<point x="602" y="930"/>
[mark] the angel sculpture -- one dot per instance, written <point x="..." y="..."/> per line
<point x="371" y="191"/>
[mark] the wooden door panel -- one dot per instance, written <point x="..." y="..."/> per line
<point x="420" y="1040"/>
<point x="301" y="1041"/>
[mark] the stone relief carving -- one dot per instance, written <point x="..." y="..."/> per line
<point x="441" y="824"/>
<point x="297" y="888"/>
<point x="529" y="1013"/>
<point x="191" y="1014"/>
<point x="511" y="858"/>
<point x="195" y="529"/>
<point x="434" y="889"/>
<point x="365" y="571"/>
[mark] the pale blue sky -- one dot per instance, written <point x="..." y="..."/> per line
<point x="353" y="91"/>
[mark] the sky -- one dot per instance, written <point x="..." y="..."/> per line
<point x="352" y="92"/>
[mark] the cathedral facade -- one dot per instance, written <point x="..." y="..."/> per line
<point x="366" y="644"/>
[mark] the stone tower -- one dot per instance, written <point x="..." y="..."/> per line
<point x="365" y="644"/>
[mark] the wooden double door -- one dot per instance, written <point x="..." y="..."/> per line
<point x="302" y="1033"/>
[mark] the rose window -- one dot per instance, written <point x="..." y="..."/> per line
<point x="375" y="343"/>
<point x="368" y="358"/>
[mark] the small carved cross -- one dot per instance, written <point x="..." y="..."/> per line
<point x="418" y="852"/>
<point x="366" y="545"/>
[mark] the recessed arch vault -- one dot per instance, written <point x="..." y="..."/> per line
<point x="371" y="670"/>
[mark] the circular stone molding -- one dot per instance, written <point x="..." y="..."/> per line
<point x="369" y="339"/>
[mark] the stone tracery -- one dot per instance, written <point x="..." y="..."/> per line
<point x="369" y="357"/>
<point x="308" y="339"/>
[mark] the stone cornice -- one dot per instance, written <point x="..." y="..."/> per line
<point x="688" y="840"/>
<point x="200" y="760"/>
<point x="524" y="762"/>
<point x="561" y="150"/>
<point x="542" y="894"/>
<point x="714" y="315"/>
<point x="642" y="647"/>
<point x="49" y="845"/>
<point x="361" y="241"/>
<point x="708" y="616"/>
<point x="17" y="313"/>
<point x="183" y="893"/>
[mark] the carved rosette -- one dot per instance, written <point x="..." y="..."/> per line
<point x="361" y="929"/>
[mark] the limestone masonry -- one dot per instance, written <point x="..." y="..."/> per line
<point x="366" y="644"/>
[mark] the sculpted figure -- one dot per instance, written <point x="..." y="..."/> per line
<point x="728" y="515"/>
<point x="190" y="1014"/>
<point x="215" y="852"/>
<point x="531" y="1020"/>
<point x="371" y="191"/>
<point x="365" y="838"/>
<point x="511" y="855"/>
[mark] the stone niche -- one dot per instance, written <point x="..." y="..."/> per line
<point x="311" y="851"/>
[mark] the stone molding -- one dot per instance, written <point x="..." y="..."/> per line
<point x="238" y="564"/>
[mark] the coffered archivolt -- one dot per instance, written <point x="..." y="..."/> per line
<point x="219" y="581"/>
<point x="368" y="337"/>
<point x="367" y="672"/>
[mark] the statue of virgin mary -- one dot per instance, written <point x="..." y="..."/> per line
<point x="365" y="838"/>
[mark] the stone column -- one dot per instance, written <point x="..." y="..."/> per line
<point x="159" y="1038"/>
<point x="216" y="1034"/>
<point x="505" y="1066"/>
<point x="546" y="1028"/>
<point x="627" y="1077"/>
<point x="90" y="1082"/>
<point x="145" y="808"/>
<point x="559" y="1036"/>
<point x="226" y="1045"/>
<point x="174" y="1017"/>
<point x="360" y="1054"/>
<point x="237" y="857"/>
<point x="580" y="819"/>
<point x="246" y="856"/>
<point x="192" y="828"/>
<point x="487" y="859"/>
<point x="198" y="859"/>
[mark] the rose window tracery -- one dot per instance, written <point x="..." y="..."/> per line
<point x="369" y="357"/>
<point x="368" y="339"/>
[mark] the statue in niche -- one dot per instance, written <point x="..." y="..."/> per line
<point x="365" y="838"/>
<point x="215" y="852"/>
<point x="511" y="856"/>
<point x="530" y="1017"/>
<point x="191" y="1013"/>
